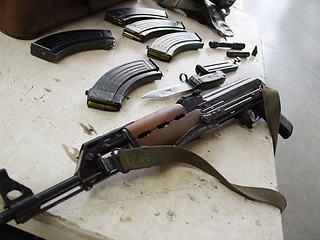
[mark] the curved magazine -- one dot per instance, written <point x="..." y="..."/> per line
<point x="124" y="16"/>
<point x="56" y="46"/>
<point x="167" y="46"/>
<point x="111" y="88"/>
<point x="145" y="29"/>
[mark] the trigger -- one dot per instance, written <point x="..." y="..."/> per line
<point x="248" y="118"/>
<point x="245" y="119"/>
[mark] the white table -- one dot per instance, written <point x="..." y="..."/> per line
<point x="43" y="114"/>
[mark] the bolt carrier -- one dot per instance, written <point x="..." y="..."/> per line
<point x="215" y="44"/>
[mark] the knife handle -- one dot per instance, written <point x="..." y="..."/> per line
<point x="207" y="81"/>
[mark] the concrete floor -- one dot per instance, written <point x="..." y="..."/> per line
<point x="290" y="32"/>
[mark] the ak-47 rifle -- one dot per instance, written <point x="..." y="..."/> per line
<point x="177" y="124"/>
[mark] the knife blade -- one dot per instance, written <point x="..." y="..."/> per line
<point x="204" y="82"/>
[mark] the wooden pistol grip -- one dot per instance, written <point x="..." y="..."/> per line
<point x="164" y="127"/>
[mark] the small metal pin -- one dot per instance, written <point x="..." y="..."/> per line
<point x="255" y="51"/>
<point x="238" y="54"/>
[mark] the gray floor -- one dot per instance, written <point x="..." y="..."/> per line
<point x="290" y="32"/>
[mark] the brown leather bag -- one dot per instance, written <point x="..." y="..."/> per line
<point x="27" y="19"/>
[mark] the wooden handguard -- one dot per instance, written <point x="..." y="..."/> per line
<point x="164" y="127"/>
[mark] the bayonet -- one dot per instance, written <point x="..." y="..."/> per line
<point x="208" y="81"/>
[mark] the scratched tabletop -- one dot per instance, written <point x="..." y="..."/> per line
<point x="45" y="120"/>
